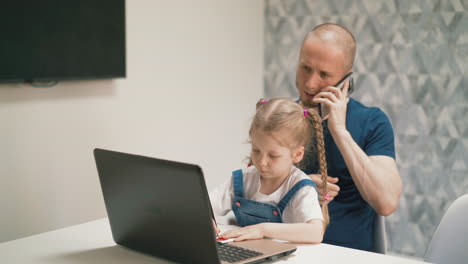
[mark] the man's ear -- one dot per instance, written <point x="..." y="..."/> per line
<point x="298" y="154"/>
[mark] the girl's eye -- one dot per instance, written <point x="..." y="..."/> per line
<point x="273" y="156"/>
<point x="255" y="150"/>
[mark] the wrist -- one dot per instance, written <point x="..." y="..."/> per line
<point x="263" y="228"/>
<point x="340" y="135"/>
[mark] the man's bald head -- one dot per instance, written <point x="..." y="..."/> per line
<point x="337" y="36"/>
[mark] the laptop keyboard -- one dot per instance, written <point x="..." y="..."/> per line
<point x="232" y="253"/>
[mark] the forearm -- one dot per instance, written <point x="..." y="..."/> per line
<point x="376" y="178"/>
<point x="311" y="232"/>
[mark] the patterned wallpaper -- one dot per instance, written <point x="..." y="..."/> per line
<point x="412" y="62"/>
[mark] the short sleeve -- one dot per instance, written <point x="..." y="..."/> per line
<point x="221" y="198"/>
<point x="303" y="207"/>
<point x="380" y="139"/>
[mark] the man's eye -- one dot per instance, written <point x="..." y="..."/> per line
<point x="255" y="150"/>
<point x="324" y="75"/>
<point x="306" y="68"/>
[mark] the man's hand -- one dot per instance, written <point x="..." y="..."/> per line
<point x="336" y="101"/>
<point x="245" y="233"/>
<point x="333" y="189"/>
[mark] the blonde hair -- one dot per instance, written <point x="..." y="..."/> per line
<point x="304" y="127"/>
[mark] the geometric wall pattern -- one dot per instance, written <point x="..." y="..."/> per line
<point x="412" y="62"/>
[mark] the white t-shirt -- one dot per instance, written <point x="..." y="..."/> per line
<point x="304" y="205"/>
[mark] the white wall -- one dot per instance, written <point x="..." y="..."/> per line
<point x="194" y="73"/>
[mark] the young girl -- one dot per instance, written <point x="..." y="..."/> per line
<point x="273" y="198"/>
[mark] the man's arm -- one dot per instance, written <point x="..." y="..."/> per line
<point x="376" y="177"/>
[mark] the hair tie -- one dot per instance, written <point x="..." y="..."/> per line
<point x="327" y="197"/>
<point x="306" y="113"/>
<point x="264" y="101"/>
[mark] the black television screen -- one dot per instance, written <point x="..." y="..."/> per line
<point x="50" y="40"/>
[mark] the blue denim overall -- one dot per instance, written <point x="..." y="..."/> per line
<point x="249" y="212"/>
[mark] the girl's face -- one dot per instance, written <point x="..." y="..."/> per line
<point x="272" y="159"/>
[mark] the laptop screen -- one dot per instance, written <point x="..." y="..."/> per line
<point x="157" y="206"/>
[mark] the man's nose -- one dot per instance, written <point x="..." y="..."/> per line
<point x="313" y="82"/>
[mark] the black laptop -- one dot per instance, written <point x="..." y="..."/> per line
<point x="161" y="207"/>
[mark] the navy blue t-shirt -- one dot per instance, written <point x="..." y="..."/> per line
<point x="351" y="217"/>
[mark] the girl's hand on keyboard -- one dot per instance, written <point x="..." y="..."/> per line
<point x="245" y="233"/>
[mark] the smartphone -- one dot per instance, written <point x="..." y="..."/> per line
<point x="341" y="83"/>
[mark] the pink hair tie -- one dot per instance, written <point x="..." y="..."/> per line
<point x="327" y="197"/>
<point x="264" y="101"/>
<point x="306" y="113"/>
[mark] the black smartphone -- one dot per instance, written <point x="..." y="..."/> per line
<point x="341" y="82"/>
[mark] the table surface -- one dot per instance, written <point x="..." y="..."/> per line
<point x="92" y="243"/>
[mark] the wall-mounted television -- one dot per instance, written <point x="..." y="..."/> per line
<point x="52" y="40"/>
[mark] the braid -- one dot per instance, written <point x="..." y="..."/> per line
<point x="317" y="124"/>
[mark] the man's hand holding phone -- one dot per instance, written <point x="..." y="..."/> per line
<point x="333" y="102"/>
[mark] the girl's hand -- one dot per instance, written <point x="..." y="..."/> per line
<point x="245" y="233"/>
<point x="215" y="227"/>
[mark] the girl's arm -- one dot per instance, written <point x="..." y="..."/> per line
<point x="221" y="198"/>
<point x="310" y="232"/>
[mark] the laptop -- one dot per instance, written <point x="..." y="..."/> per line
<point x="162" y="208"/>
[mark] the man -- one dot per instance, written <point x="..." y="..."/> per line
<point x="359" y="141"/>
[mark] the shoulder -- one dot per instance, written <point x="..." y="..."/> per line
<point x="250" y="174"/>
<point x="249" y="171"/>
<point x="365" y="116"/>
<point x="373" y="129"/>
<point x="357" y="108"/>
<point x="305" y="192"/>
<point x="297" y="175"/>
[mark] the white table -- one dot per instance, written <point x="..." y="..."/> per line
<point x="92" y="243"/>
